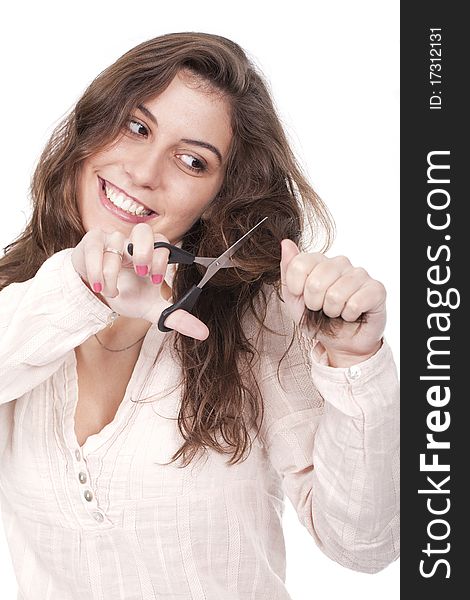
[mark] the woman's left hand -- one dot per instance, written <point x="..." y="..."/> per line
<point x="311" y="280"/>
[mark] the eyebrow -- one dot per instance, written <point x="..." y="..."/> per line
<point x="199" y="143"/>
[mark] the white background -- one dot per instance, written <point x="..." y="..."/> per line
<point x="334" y="73"/>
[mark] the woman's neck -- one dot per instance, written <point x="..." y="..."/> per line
<point x="124" y="332"/>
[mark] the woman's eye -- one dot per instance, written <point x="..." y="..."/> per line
<point x="193" y="163"/>
<point x="137" y="128"/>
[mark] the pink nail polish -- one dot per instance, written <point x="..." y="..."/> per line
<point x="97" y="287"/>
<point x="141" y="269"/>
<point x="157" y="279"/>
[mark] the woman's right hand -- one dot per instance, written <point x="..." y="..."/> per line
<point x="128" y="293"/>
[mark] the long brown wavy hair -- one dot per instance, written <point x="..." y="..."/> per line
<point x="220" y="396"/>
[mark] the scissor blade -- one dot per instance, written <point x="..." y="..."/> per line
<point x="204" y="261"/>
<point x="234" y="247"/>
<point x="223" y="260"/>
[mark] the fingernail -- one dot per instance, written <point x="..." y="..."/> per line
<point x="97" y="287"/>
<point x="141" y="269"/>
<point x="157" y="279"/>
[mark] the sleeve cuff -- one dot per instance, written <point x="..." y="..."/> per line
<point x="370" y="384"/>
<point x="360" y="372"/>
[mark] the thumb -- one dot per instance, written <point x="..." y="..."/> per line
<point x="289" y="249"/>
<point x="187" y="324"/>
<point x="295" y="304"/>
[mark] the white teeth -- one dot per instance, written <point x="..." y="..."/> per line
<point x="125" y="203"/>
<point x="118" y="199"/>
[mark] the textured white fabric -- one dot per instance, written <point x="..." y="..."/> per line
<point x="209" y="531"/>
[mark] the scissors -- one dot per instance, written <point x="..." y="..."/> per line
<point x="180" y="256"/>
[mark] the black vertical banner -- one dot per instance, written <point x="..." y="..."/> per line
<point x="435" y="266"/>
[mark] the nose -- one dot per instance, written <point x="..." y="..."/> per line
<point x="145" y="168"/>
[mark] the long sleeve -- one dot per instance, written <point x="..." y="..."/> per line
<point x="41" y="320"/>
<point x="332" y="434"/>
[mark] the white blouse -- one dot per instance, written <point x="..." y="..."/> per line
<point x="111" y="521"/>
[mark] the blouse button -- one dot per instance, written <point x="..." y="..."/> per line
<point x="82" y="477"/>
<point x="88" y="495"/>
<point x="98" y="516"/>
<point x="354" y="372"/>
<point x="78" y="455"/>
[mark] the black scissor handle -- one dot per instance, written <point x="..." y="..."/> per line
<point x="186" y="303"/>
<point x="177" y="255"/>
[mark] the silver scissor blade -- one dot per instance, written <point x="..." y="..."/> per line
<point x="234" y="247"/>
<point x="205" y="262"/>
<point x="223" y="260"/>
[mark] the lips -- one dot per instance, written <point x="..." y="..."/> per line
<point x="118" y="212"/>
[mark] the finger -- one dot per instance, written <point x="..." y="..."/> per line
<point x="187" y="324"/>
<point x="299" y="268"/>
<point x="296" y="266"/>
<point x="319" y="280"/>
<point x="93" y="255"/>
<point x="338" y="293"/>
<point x="369" y="298"/>
<point x="159" y="260"/>
<point x="142" y="238"/>
<point x="112" y="263"/>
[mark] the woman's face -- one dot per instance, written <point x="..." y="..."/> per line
<point x="170" y="160"/>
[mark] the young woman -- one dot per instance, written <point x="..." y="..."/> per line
<point x="137" y="463"/>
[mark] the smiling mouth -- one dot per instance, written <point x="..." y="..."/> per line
<point x="125" y="203"/>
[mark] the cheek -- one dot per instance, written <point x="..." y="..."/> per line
<point x="87" y="196"/>
<point x="195" y="198"/>
<point x="81" y="195"/>
<point x="188" y="212"/>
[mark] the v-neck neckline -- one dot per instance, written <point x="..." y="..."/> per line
<point x="123" y="412"/>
